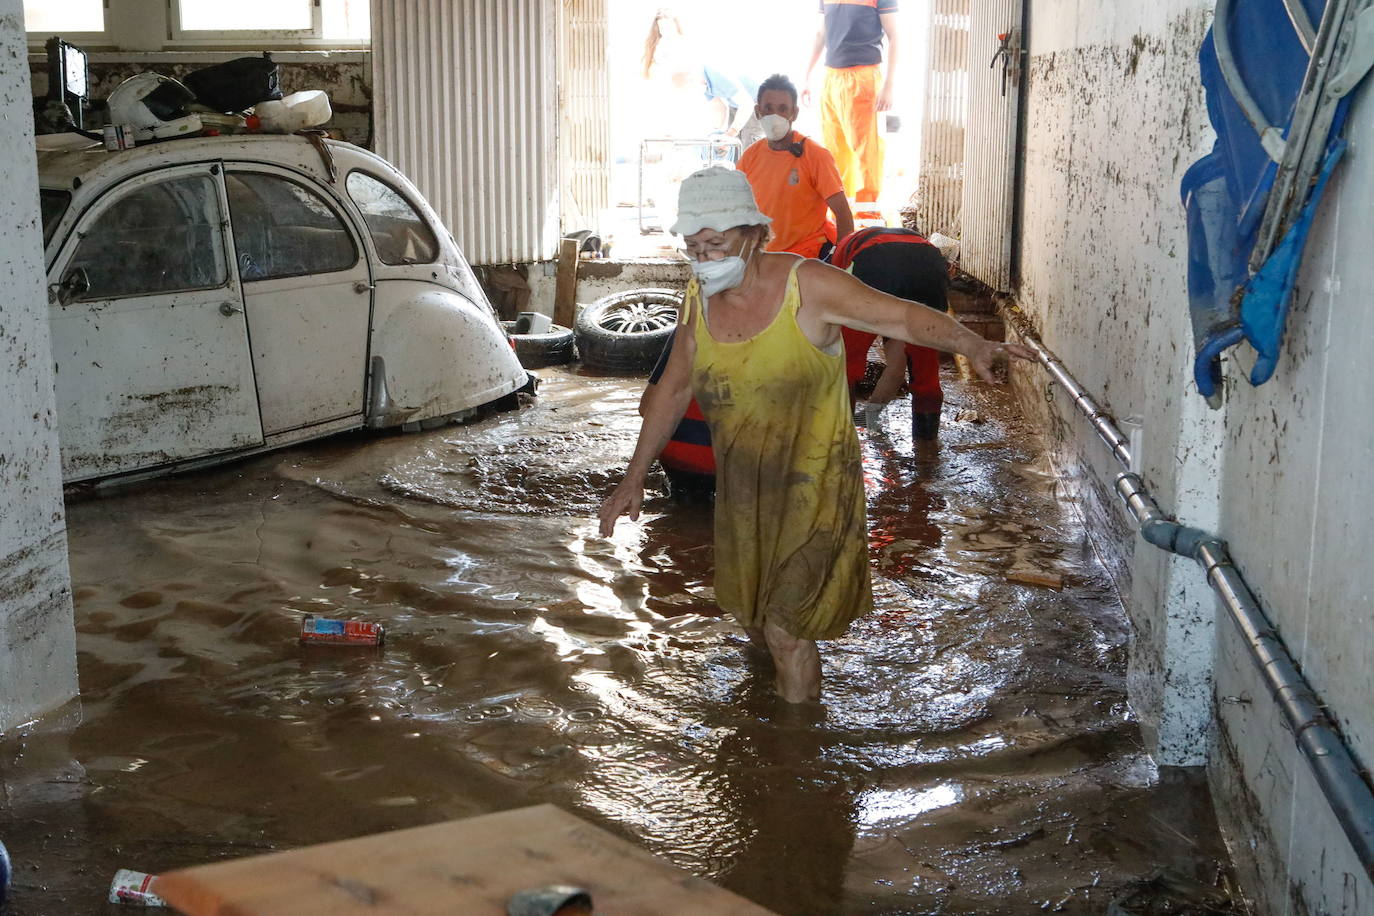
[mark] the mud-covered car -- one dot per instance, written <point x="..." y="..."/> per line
<point x="217" y="296"/>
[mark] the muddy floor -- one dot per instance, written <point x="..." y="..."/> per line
<point x="975" y="753"/>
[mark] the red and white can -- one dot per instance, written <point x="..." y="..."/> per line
<point x="341" y="632"/>
<point x="118" y="137"/>
<point x="134" y="887"/>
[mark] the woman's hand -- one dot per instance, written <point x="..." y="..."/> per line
<point x="625" y="499"/>
<point x="985" y="358"/>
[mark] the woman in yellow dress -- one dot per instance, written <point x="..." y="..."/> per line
<point x="758" y="344"/>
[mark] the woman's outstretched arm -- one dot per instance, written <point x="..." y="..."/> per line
<point x="662" y="408"/>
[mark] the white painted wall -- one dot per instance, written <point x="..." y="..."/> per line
<point x="602" y="278"/>
<point x="37" y="640"/>
<point x="1298" y="520"/>
<point x="1115" y="115"/>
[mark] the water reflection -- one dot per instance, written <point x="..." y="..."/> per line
<point x="974" y="753"/>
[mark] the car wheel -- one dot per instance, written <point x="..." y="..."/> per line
<point x="553" y="347"/>
<point x="626" y="332"/>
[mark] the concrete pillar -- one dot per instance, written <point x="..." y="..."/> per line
<point x="1171" y="685"/>
<point x="37" y="639"/>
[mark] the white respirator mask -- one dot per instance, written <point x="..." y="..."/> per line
<point x="775" y="127"/>
<point x="718" y="276"/>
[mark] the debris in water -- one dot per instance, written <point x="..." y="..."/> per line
<point x="341" y="632"/>
<point x="134" y="887"/>
<point x="1036" y="577"/>
<point x="1165" y="893"/>
<point x="972" y="446"/>
<point x="968" y="416"/>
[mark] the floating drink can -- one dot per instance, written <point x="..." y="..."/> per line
<point x="134" y="887"/>
<point x="341" y="632"/>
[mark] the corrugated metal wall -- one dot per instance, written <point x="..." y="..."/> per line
<point x="585" y="142"/>
<point x="985" y="249"/>
<point x="465" y="104"/>
<point x="942" y="135"/>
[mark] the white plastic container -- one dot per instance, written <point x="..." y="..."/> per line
<point x="297" y="111"/>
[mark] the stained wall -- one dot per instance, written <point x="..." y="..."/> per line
<point x="37" y="640"/>
<point x="1114" y="115"/>
<point x="345" y="75"/>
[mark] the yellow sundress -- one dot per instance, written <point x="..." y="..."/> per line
<point x="790" y="522"/>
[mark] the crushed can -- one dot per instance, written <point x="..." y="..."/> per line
<point x="325" y="631"/>
<point x="134" y="887"/>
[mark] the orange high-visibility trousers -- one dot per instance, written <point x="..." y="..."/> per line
<point x="849" y="127"/>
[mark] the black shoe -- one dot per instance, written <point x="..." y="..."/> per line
<point x="925" y="425"/>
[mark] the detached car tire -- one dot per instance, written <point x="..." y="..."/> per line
<point x="553" y="347"/>
<point x="626" y="332"/>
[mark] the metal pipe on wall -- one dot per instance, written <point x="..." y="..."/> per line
<point x="1335" y="769"/>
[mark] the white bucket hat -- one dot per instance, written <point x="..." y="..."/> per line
<point x="716" y="198"/>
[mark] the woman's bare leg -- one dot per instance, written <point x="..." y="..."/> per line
<point x="798" y="663"/>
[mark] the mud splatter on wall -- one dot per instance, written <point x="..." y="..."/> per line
<point x="37" y="641"/>
<point x="1115" y="114"/>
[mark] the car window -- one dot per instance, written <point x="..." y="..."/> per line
<point x="54" y="204"/>
<point x="399" y="233"/>
<point x="158" y="238"/>
<point x="284" y="229"/>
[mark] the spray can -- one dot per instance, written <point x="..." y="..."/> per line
<point x="134" y="887"/>
<point x="118" y="137"/>
<point x="341" y="632"/>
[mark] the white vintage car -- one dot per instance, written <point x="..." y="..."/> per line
<point x="217" y="296"/>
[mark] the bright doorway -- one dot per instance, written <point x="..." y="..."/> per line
<point x="753" y="38"/>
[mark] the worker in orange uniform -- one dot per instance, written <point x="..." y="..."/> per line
<point x="851" y="36"/>
<point x="793" y="178"/>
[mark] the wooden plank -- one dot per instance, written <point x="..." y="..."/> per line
<point x="469" y="866"/>
<point x="1036" y="577"/>
<point x="565" y="283"/>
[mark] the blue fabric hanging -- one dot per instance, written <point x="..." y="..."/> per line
<point x="1225" y="194"/>
<point x="1264" y="308"/>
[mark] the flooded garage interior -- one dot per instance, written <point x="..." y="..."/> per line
<point x="974" y="753"/>
<point x="1054" y="708"/>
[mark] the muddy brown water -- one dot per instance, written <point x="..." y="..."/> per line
<point x="975" y="752"/>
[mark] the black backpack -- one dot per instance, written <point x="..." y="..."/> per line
<point x="236" y="84"/>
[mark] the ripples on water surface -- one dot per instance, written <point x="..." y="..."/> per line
<point x="975" y="754"/>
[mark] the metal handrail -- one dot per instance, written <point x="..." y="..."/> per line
<point x="1334" y="767"/>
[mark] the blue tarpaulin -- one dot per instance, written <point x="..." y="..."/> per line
<point x="1226" y="191"/>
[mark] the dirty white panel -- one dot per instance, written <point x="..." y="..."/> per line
<point x="1102" y="268"/>
<point x="1298" y="450"/>
<point x="585" y="129"/>
<point x="995" y="67"/>
<point x="37" y="640"/>
<point x="465" y="104"/>
<point x="940" y="198"/>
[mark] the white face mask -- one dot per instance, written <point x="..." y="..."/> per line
<point x="718" y="276"/>
<point x="775" y="127"/>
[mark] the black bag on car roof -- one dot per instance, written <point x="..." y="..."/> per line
<point x="236" y="84"/>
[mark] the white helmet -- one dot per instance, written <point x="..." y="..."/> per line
<point x="154" y="106"/>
